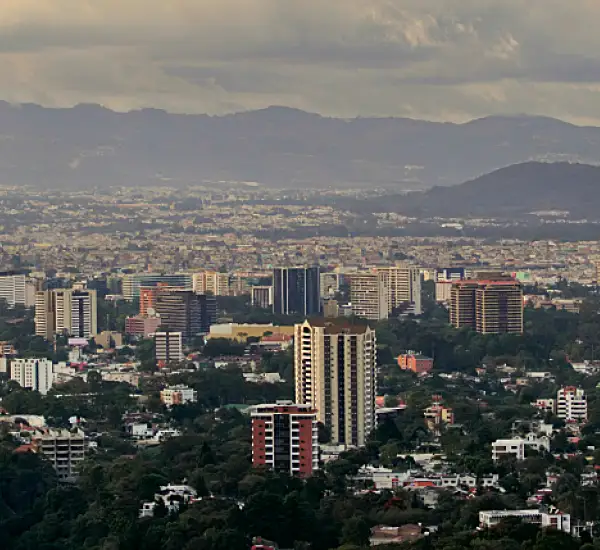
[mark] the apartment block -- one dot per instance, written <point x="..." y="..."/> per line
<point x="335" y="373"/>
<point x="369" y="296"/>
<point x="404" y="287"/>
<point x="168" y="347"/>
<point x="285" y="438"/>
<point x="211" y="282"/>
<point x="571" y="404"/>
<point x="33" y="374"/>
<point x="178" y="395"/>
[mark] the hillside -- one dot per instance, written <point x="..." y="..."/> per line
<point x="89" y="145"/>
<point x="510" y="192"/>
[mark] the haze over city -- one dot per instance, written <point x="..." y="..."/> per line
<point x="312" y="275"/>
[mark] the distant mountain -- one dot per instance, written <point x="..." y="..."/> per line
<point x="511" y="192"/>
<point x="89" y="145"/>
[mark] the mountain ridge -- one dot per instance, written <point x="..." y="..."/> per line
<point x="92" y="146"/>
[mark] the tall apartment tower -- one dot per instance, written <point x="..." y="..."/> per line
<point x="404" y="287"/>
<point x="490" y="306"/>
<point x="211" y="282"/>
<point x="370" y="296"/>
<point x="285" y="438"/>
<point x="185" y="311"/>
<point x="335" y="373"/>
<point x="66" y="311"/>
<point x="84" y="313"/>
<point x="462" y="304"/>
<point x="296" y="290"/>
<point x="45" y="318"/>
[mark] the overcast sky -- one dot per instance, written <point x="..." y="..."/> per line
<point x="433" y="59"/>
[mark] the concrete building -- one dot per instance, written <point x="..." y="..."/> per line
<point x="65" y="450"/>
<point x="296" y="290"/>
<point x="242" y="331"/>
<point x="168" y="347"/>
<point x="211" y="282"/>
<point x="489" y="306"/>
<point x="178" y="395"/>
<point x="369" y="296"/>
<point x="437" y="415"/>
<point x="335" y="370"/>
<point x="285" y="438"/>
<point x="571" y="404"/>
<point x="131" y="284"/>
<point x="404" y="287"/>
<point x="415" y="362"/>
<point x="550" y="518"/>
<point x="142" y="327"/>
<point x="262" y="296"/>
<point x="186" y="312"/>
<point x="16" y="289"/>
<point x="109" y="339"/>
<point x="66" y="311"/>
<point x="33" y="374"/>
<point x="508" y="448"/>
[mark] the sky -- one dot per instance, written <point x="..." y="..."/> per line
<point x="445" y="60"/>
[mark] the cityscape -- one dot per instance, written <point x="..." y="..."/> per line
<point x="299" y="276"/>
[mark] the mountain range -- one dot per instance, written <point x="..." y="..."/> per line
<point x="541" y="189"/>
<point x="88" y="145"/>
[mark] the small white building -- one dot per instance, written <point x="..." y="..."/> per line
<point x="503" y="448"/>
<point x="571" y="404"/>
<point x="33" y="374"/>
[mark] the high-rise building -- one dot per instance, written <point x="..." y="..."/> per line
<point x="462" y="304"/>
<point x="335" y="373"/>
<point x="84" y="314"/>
<point x="65" y="450"/>
<point x="185" y="311"/>
<point x="66" y="311"/>
<point x="140" y="326"/>
<point x="211" y="282"/>
<point x="571" y="404"/>
<point x="296" y="291"/>
<point x="131" y="284"/>
<point x="16" y="289"/>
<point x="168" y="347"/>
<point x="369" y="296"/>
<point x="45" y="317"/>
<point x="262" y="296"/>
<point x="404" y="287"/>
<point x="33" y="374"/>
<point x="444" y="277"/>
<point x="285" y="438"/>
<point x="488" y="306"/>
<point x="147" y="299"/>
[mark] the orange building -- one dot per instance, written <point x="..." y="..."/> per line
<point x="147" y="299"/>
<point x="415" y="362"/>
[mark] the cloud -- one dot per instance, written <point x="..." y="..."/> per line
<point x="436" y="59"/>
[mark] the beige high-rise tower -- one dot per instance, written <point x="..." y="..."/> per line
<point x="335" y="370"/>
<point x="404" y="287"/>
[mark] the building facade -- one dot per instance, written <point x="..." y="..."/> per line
<point x="65" y="450"/>
<point x="415" y="362"/>
<point x="262" y="296"/>
<point x="142" y="327"/>
<point x="489" y="306"/>
<point x="404" y="287"/>
<point x="369" y="296"/>
<point x="571" y="404"/>
<point x="211" y="282"/>
<point x="296" y="291"/>
<point x="73" y="312"/>
<point x="132" y="283"/>
<point x="33" y="374"/>
<point x="178" y="395"/>
<point x="168" y="347"/>
<point x="186" y="312"/>
<point x="285" y="438"/>
<point x="16" y="289"/>
<point x="335" y="373"/>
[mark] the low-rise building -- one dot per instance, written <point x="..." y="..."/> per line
<point x="550" y="518"/>
<point x="178" y="395"/>
<point x="415" y="362"/>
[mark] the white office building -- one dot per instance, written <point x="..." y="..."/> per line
<point x="168" y="347"/>
<point x="369" y="296"/>
<point x="16" y="290"/>
<point x="33" y="374"/>
<point x="552" y="518"/>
